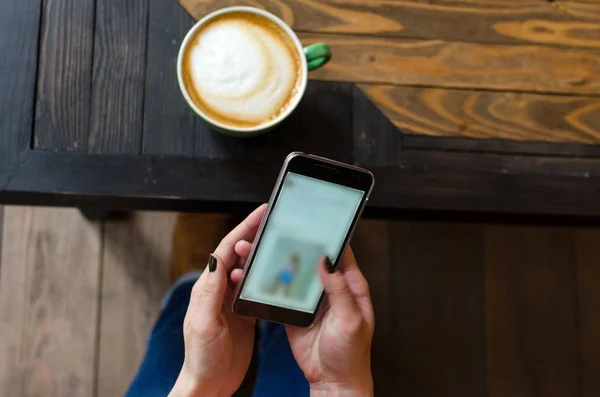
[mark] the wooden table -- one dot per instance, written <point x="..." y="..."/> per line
<point x="468" y="107"/>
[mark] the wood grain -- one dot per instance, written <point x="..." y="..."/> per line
<point x="473" y="145"/>
<point x="421" y="180"/>
<point x="371" y="243"/>
<point x="575" y="25"/>
<point x="195" y="236"/>
<point x="531" y="317"/>
<point x="118" y="78"/>
<point x="460" y="65"/>
<point x="587" y="254"/>
<point x="170" y="126"/>
<point x="48" y="302"/>
<point x="485" y="115"/>
<point x="438" y="309"/>
<point x="325" y="107"/>
<point x="376" y="140"/>
<point x="135" y="276"/>
<point x="321" y="124"/>
<point x="19" y="27"/>
<point x="64" y="75"/>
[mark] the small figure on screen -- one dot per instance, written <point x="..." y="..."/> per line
<point x="286" y="276"/>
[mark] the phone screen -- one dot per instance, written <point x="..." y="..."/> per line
<point x="309" y="219"/>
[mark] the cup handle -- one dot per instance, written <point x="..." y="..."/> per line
<point x="317" y="55"/>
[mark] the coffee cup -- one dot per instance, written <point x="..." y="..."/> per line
<point x="243" y="70"/>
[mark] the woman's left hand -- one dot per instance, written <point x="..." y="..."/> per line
<point x="218" y="343"/>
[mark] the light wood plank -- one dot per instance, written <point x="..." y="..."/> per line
<point x="531" y="322"/>
<point x="587" y="251"/>
<point x="485" y="114"/>
<point x="48" y="302"/>
<point x="540" y="22"/>
<point x="134" y="278"/>
<point x="459" y="65"/>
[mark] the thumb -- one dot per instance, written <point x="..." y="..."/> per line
<point x="215" y="287"/>
<point x="338" y="291"/>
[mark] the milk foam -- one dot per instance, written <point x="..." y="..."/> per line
<point x="242" y="70"/>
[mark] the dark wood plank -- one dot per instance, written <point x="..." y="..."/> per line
<point x="475" y="145"/>
<point x="531" y="319"/>
<point x="118" y="78"/>
<point x="325" y="107"/>
<point x="102" y="214"/>
<point x="135" y="260"/>
<point x="422" y="180"/>
<point x="371" y="243"/>
<point x="48" y="303"/>
<point x="321" y="124"/>
<point x="470" y="182"/>
<point x="541" y="22"/>
<point x="64" y="75"/>
<point x="437" y="309"/>
<point x="458" y="65"/>
<point x="483" y="114"/>
<point x="587" y="252"/>
<point x="170" y="126"/>
<point x="377" y="142"/>
<point x="19" y="27"/>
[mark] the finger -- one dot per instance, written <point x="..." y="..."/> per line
<point x="235" y="276"/>
<point x="356" y="280"/>
<point x="322" y="310"/>
<point x="240" y="263"/>
<point x="339" y="295"/>
<point x="215" y="286"/>
<point x="358" y="285"/>
<point x="348" y="262"/>
<point x="243" y="248"/>
<point x="244" y="231"/>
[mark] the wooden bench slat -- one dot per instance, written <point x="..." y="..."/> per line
<point x="535" y="21"/>
<point x="489" y="115"/>
<point x="119" y="75"/>
<point x="441" y="63"/>
<point x="65" y="72"/>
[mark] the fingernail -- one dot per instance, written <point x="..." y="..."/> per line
<point x="329" y="266"/>
<point x="212" y="263"/>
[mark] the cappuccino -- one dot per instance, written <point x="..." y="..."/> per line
<point x="242" y="70"/>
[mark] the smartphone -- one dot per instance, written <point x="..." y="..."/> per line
<point x="314" y="207"/>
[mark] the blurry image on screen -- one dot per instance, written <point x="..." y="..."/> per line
<point x="310" y="219"/>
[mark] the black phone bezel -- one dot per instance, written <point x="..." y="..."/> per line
<point x="322" y="169"/>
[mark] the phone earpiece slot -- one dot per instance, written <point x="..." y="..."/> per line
<point x="326" y="168"/>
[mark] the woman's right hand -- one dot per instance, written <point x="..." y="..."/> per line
<point x="335" y="353"/>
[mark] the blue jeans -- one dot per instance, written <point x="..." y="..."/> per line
<point x="278" y="372"/>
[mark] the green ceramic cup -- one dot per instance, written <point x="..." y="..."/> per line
<point x="312" y="56"/>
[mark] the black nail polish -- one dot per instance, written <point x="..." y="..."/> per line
<point x="212" y="263"/>
<point x="329" y="266"/>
